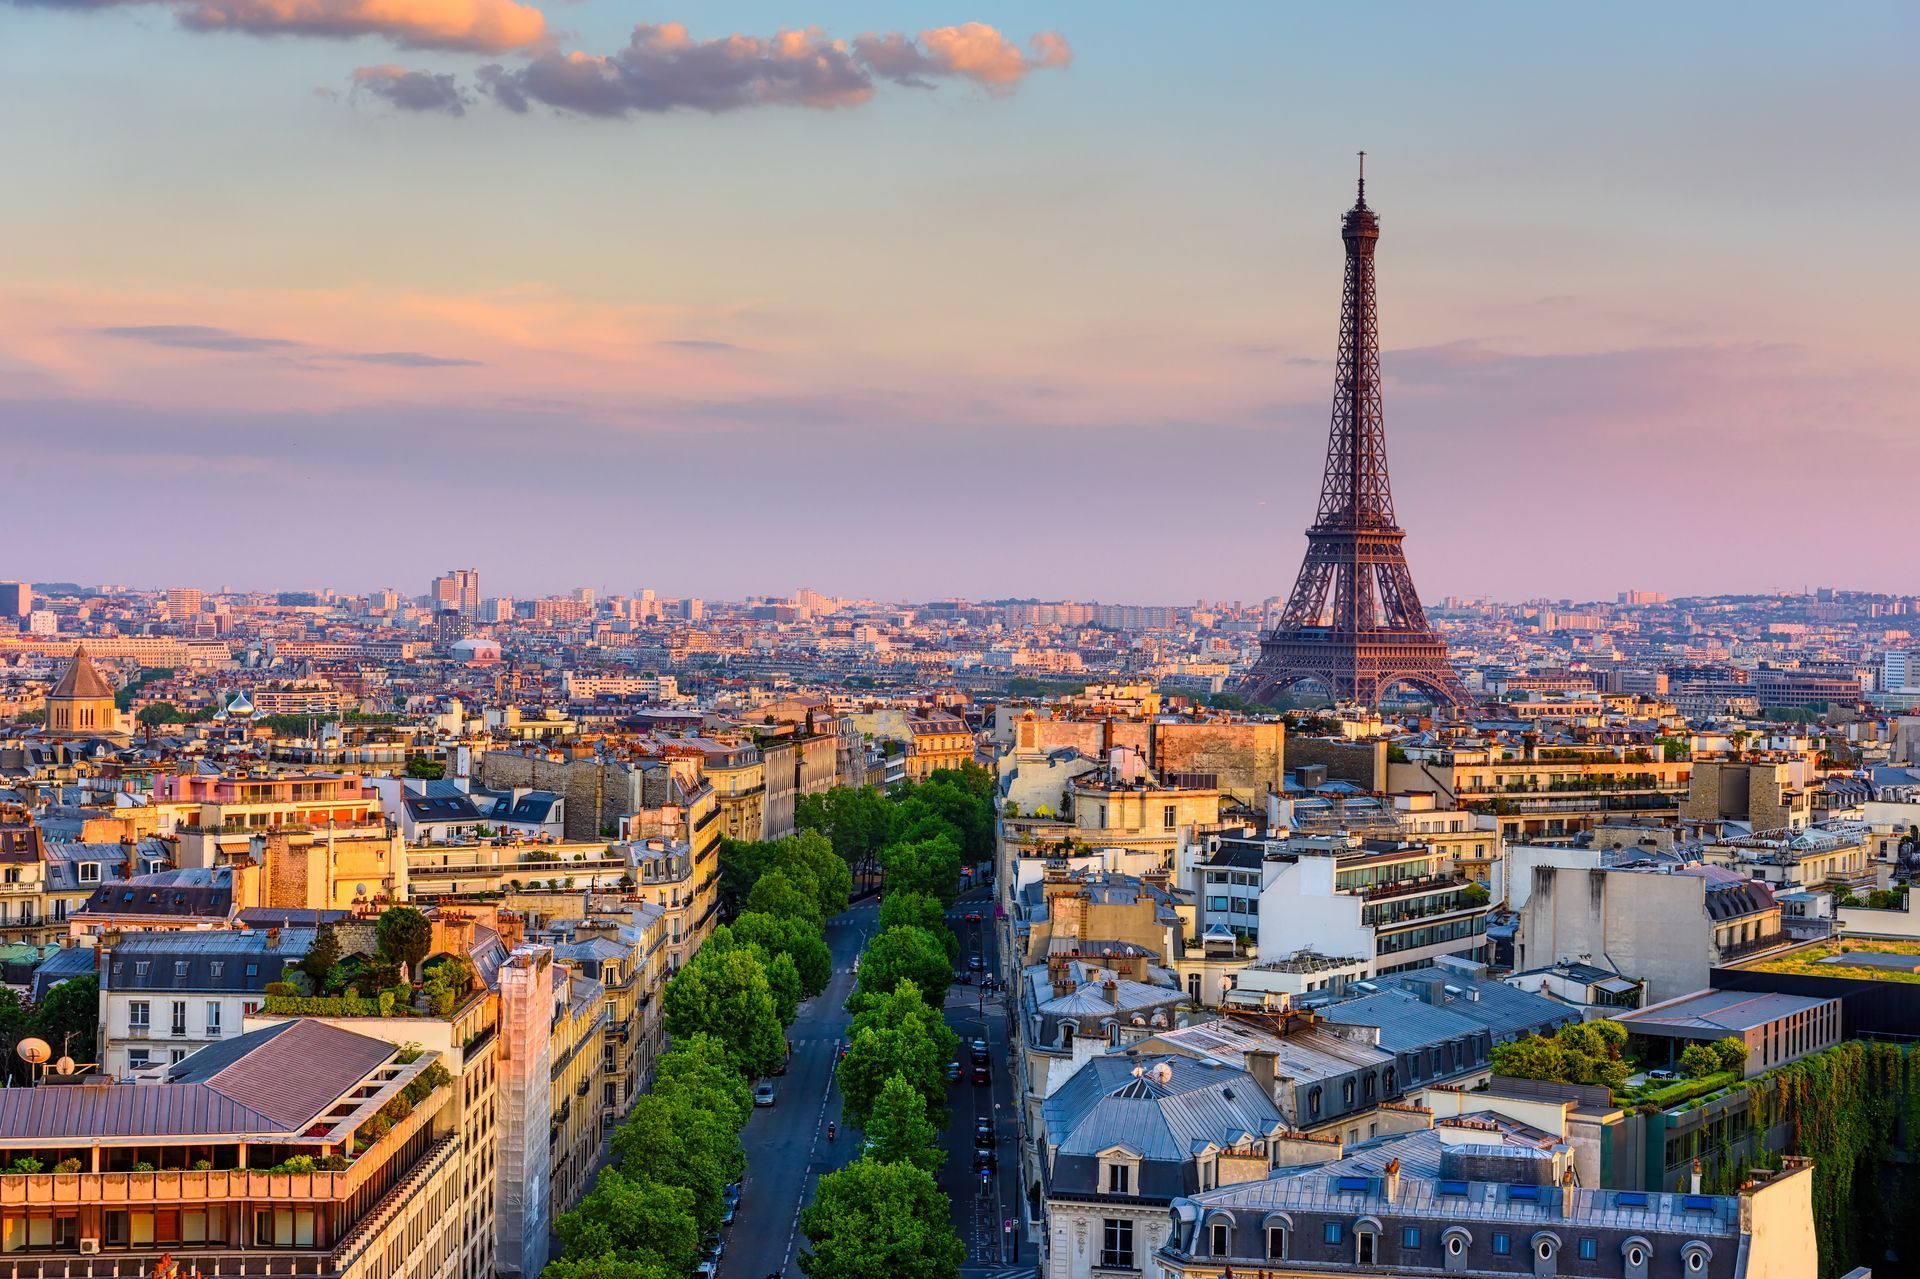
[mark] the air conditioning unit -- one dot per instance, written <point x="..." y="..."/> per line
<point x="89" y="1246"/>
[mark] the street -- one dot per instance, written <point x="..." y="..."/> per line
<point x="786" y="1144"/>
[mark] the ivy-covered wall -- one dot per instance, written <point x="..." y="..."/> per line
<point x="1855" y="1111"/>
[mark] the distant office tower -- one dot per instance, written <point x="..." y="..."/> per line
<point x="497" y="610"/>
<point x="1354" y="624"/>
<point x="42" y="622"/>
<point x="384" y="600"/>
<point x="583" y="595"/>
<point x="183" y="602"/>
<point x="1639" y="599"/>
<point x="457" y="592"/>
<point x="16" y="599"/>
<point x="1896" y="671"/>
<point x="693" y="609"/>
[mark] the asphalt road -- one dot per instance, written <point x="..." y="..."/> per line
<point x="786" y="1143"/>
<point x="787" y="1147"/>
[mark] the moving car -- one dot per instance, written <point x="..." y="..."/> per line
<point x="982" y="1075"/>
<point x="975" y="963"/>
<point x="953" y="1072"/>
<point x="978" y="1050"/>
<point x="973" y="917"/>
<point x="763" y="1094"/>
<point x="984" y="1159"/>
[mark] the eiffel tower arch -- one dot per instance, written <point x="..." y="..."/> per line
<point x="1354" y="622"/>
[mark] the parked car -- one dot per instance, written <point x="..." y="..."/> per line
<point x="973" y="917"/>
<point x="978" y="1049"/>
<point x="975" y="963"/>
<point x="953" y="1072"/>
<point x="763" y="1094"/>
<point x="982" y="1075"/>
<point x="984" y="1159"/>
<point x="982" y="1124"/>
<point x="963" y="979"/>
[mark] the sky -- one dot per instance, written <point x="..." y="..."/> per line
<point x="905" y="299"/>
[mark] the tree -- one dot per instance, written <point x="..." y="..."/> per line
<point x="896" y="1034"/>
<point x="742" y="863"/>
<point x="607" y="1266"/>
<point x="831" y="878"/>
<point x="905" y="953"/>
<point x="1699" y="1061"/>
<point x="789" y="895"/>
<point x="698" y="1065"/>
<point x="425" y="769"/>
<point x="1581" y="1053"/>
<point x="930" y="866"/>
<point x="795" y="938"/>
<point x="1731" y="1052"/>
<point x="879" y="1221"/>
<point x="726" y="994"/>
<point x="71" y="1008"/>
<point x="919" y="910"/>
<point x="640" y="1219"/>
<point x="154" y="714"/>
<point x="404" y="937"/>
<point x="1531" y="1057"/>
<point x="677" y="1141"/>
<point x="320" y="958"/>
<point x="898" y="1130"/>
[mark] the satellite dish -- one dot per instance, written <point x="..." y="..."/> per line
<point x="34" y="1051"/>
<point x="64" y="1066"/>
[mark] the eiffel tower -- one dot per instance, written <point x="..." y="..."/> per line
<point x="1354" y="622"/>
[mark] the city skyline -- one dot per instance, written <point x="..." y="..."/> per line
<point x="1078" y="286"/>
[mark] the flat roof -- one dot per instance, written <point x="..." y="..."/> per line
<point x="1717" y="1012"/>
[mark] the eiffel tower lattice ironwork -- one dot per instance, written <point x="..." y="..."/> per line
<point x="1354" y="622"/>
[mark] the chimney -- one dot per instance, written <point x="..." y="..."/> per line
<point x="1390" y="1180"/>
<point x="1566" y="1192"/>
<point x="1111" y="989"/>
<point x="273" y="939"/>
<point x="1694" y="1181"/>
<point x="1260" y="1064"/>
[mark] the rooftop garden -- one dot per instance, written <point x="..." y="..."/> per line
<point x="1810" y="961"/>
<point x="397" y="980"/>
<point x="1595" y="1052"/>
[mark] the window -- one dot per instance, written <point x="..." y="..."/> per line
<point x="1409" y="1236"/>
<point x="216" y="967"/>
<point x="179" y="1016"/>
<point x="1346" y="1093"/>
<point x="139" y="1013"/>
<point x="137" y="1059"/>
<point x="140" y="967"/>
<point x="1276" y="1243"/>
<point x="1333" y="1233"/>
<point x="1221" y="1238"/>
<point x="1636" y="1255"/>
<point x="179" y="968"/>
<point x="1502" y="1245"/>
<point x="89" y="872"/>
<point x="213" y="1018"/>
<point x="1364" y="1250"/>
<point x="1117" y="1175"/>
<point x="1589" y="1249"/>
<point x="1116" y="1244"/>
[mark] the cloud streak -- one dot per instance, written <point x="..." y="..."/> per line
<point x="664" y="69"/>
<point x="412" y="90"/>
<point x="195" y="337"/>
<point x="472" y="26"/>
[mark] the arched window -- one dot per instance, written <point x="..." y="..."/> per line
<point x="1346" y="1093"/>
<point x="1366" y="1087"/>
<point x="1391" y="1079"/>
<point x="1313" y="1102"/>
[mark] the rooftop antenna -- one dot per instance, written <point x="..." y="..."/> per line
<point x="1363" y="179"/>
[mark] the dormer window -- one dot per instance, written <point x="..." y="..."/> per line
<point x="89" y="872"/>
<point x="1118" y="1178"/>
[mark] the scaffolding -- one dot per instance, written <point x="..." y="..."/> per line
<point x="526" y="1112"/>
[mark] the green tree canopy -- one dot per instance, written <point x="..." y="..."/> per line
<point x="795" y="938"/>
<point x="828" y="872"/>
<point x="431" y="770"/>
<point x="320" y="958"/>
<point x="896" y="1034"/>
<point x="906" y="953"/>
<point x="154" y="714"/>
<point x="880" y="1221"/>
<point x="646" y="1221"/>
<point x="678" y="1141"/>
<point x="1582" y="1053"/>
<point x="742" y="863"/>
<point x="726" y="994"/>
<point x="930" y="866"/>
<point x="790" y="894"/>
<point x="1732" y="1052"/>
<point x="607" y="1266"/>
<point x="855" y="818"/>
<point x="699" y="1065"/>
<point x="919" y="910"/>
<point x="404" y="936"/>
<point x="898" y="1130"/>
<point x="71" y="1008"/>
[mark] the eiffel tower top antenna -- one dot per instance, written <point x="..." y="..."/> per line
<point x="1363" y="179"/>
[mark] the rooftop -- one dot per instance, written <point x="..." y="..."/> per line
<point x="1856" y="958"/>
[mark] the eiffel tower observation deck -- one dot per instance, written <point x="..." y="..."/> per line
<point x="1354" y="625"/>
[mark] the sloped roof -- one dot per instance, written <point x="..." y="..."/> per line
<point x="81" y="680"/>
<point x="290" y="1072"/>
<point x="1106" y="1104"/>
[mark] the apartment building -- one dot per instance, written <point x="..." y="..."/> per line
<point x="165" y="995"/>
<point x="935" y="742"/>
<point x="297" y="1147"/>
<point x="1535" y="792"/>
<point x="626" y="953"/>
<point x="1401" y="904"/>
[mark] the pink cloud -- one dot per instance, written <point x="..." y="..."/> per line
<point x="479" y="26"/>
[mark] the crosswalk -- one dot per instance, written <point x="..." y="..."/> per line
<point x="997" y="1272"/>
